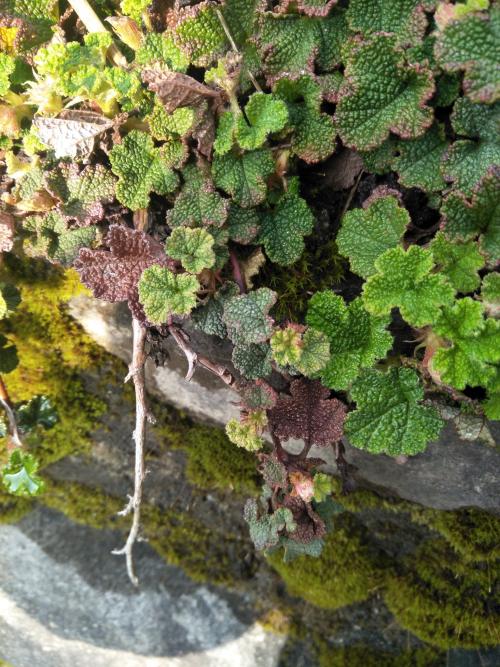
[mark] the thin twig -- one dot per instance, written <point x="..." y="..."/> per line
<point x="136" y="372"/>
<point x="351" y="194"/>
<point x="237" y="275"/>
<point x="194" y="359"/>
<point x="94" y="24"/>
<point x="15" y="438"/>
<point x="235" y="48"/>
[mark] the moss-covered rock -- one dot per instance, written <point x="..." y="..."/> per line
<point x="473" y="533"/>
<point x="445" y="600"/>
<point x="213" y="461"/>
<point x="53" y="352"/>
<point x="367" y="656"/>
<point x="349" y="569"/>
<point x="13" y="508"/>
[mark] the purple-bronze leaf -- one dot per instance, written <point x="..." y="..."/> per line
<point x="308" y="414"/>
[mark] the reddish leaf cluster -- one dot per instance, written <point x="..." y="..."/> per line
<point x="113" y="274"/>
<point x="308" y="414"/>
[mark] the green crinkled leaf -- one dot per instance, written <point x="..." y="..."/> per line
<point x="140" y="170"/>
<point x="382" y="94"/>
<point x="283" y="228"/>
<point x="82" y="194"/>
<point x="224" y="139"/>
<point x="266" y="115"/>
<point x="253" y="360"/>
<point x="198" y="204"/>
<point x="313" y="138"/>
<point x="160" y="47"/>
<point x="19" y="475"/>
<point x="10" y="298"/>
<point x="208" y="317"/>
<point x="447" y="89"/>
<point x="467" y="161"/>
<point x="39" y="411"/>
<point x="459" y="262"/>
<point x="292" y="44"/>
<point x="8" y="355"/>
<point x="472" y="44"/>
<point x="243" y="435"/>
<point x="405" y="280"/>
<point x="164" y="125"/>
<point x="475" y="345"/>
<point x="323" y="486"/>
<point x="192" y="247"/>
<point x="198" y="32"/>
<point x="315" y="353"/>
<point x="419" y="160"/>
<point x="246" y="316"/>
<point x="244" y="177"/>
<point x="368" y="232"/>
<point x="7" y="67"/>
<point x="357" y="339"/>
<point x="66" y="246"/>
<point x="490" y="293"/>
<point x="243" y="224"/>
<point x="467" y="218"/>
<point x="264" y="530"/>
<point x="380" y="159"/>
<point x="135" y="8"/>
<point x="162" y="292"/>
<point x="286" y="346"/>
<point x="389" y="418"/>
<point x="404" y="18"/>
<point x="293" y="549"/>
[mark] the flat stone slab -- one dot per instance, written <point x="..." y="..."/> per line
<point x="450" y="474"/>
<point x="65" y="600"/>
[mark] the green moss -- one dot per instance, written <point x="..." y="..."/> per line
<point x="445" y="600"/>
<point x="363" y="499"/>
<point x="349" y="569"/>
<point x="13" y="508"/>
<point x="213" y="462"/>
<point x="367" y="656"/>
<point x="473" y="533"/>
<point x="319" y="268"/>
<point x="53" y="351"/>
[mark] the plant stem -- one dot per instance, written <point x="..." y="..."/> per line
<point x="6" y="405"/>
<point x="237" y="275"/>
<point x="94" y="24"/>
<point x="235" y="48"/>
<point x="136" y="372"/>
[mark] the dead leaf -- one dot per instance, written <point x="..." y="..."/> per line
<point x="6" y="231"/>
<point x="177" y="90"/>
<point x="251" y="266"/>
<point x="342" y="169"/>
<point x="72" y="133"/>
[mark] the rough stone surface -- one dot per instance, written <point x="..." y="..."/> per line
<point x="64" y="600"/>
<point x="450" y="474"/>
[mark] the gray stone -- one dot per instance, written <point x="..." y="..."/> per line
<point x="65" y="600"/>
<point x="450" y="474"/>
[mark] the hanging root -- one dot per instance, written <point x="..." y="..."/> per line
<point x="136" y="373"/>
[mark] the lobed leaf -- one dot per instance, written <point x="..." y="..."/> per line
<point x="198" y="204"/>
<point x="367" y="232"/>
<point x="246" y="316"/>
<point x="381" y="94"/>
<point x="459" y="262"/>
<point x="163" y="293"/>
<point x="404" y="279"/>
<point x="252" y="360"/>
<point x="404" y="18"/>
<point x="19" y="475"/>
<point x="475" y="345"/>
<point x="472" y="44"/>
<point x="244" y="177"/>
<point x="141" y="169"/>
<point x="419" y="161"/>
<point x="357" y="339"/>
<point x="389" y="418"/>
<point x="283" y="228"/>
<point x="192" y="247"/>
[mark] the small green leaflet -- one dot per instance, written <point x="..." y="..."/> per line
<point x="19" y="475"/>
<point x="193" y="247"/>
<point x="162" y="292"/>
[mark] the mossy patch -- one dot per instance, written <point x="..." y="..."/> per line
<point x="445" y="600"/>
<point x="349" y="569"/>
<point x="474" y="534"/>
<point x="13" y="508"/>
<point x="213" y="461"/>
<point x="53" y="351"/>
<point x="320" y="267"/>
<point x="367" y="656"/>
<point x="204" y="553"/>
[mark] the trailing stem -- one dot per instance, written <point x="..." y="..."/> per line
<point x="15" y="438"/>
<point x="136" y="373"/>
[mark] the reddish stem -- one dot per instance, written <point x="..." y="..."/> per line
<point x="237" y="275"/>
